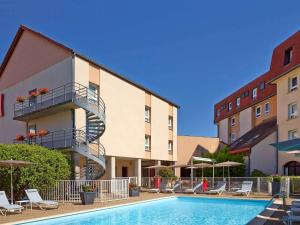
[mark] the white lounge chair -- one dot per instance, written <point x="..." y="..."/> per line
<point x="219" y="189"/>
<point x="246" y="188"/>
<point x="6" y="207"/>
<point x="154" y="190"/>
<point x="195" y="189"/>
<point x="35" y="198"/>
<point x="171" y="190"/>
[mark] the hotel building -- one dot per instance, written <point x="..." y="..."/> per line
<point x="108" y="125"/>
<point x="264" y="112"/>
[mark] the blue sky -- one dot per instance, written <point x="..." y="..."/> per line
<point x="191" y="52"/>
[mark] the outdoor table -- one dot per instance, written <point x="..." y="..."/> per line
<point x="25" y="202"/>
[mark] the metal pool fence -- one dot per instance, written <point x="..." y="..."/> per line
<point x="69" y="190"/>
<point x="260" y="184"/>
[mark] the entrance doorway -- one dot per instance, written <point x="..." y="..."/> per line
<point x="124" y="171"/>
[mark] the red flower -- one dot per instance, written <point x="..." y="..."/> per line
<point x="31" y="135"/>
<point x="43" y="91"/>
<point x="33" y="94"/>
<point x="20" y="99"/>
<point x="20" y="138"/>
<point x="42" y="132"/>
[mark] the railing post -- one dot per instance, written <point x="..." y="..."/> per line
<point x="258" y="184"/>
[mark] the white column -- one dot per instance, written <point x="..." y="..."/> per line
<point x="177" y="171"/>
<point x="112" y="167"/>
<point x="157" y="163"/>
<point x="138" y="171"/>
<point x="76" y="164"/>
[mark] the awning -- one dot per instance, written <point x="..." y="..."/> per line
<point x="288" y="146"/>
<point x="201" y="159"/>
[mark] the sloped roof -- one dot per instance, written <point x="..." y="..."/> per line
<point x="23" y="28"/>
<point x="254" y="136"/>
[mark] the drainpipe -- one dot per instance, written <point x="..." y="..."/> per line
<point x="277" y="153"/>
<point x="73" y="80"/>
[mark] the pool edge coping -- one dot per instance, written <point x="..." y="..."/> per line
<point x="125" y="204"/>
<point x="260" y="218"/>
<point x="84" y="211"/>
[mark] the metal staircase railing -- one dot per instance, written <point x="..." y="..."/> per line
<point x="85" y="140"/>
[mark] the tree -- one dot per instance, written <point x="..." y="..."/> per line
<point x="49" y="166"/>
<point x="222" y="156"/>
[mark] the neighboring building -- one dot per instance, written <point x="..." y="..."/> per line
<point x="256" y="146"/>
<point x="189" y="146"/>
<point x="272" y="95"/>
<point x="108" y="125"/>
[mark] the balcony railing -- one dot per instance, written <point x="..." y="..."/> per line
<point x="57" y="96"/>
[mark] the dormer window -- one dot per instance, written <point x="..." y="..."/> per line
<point x="230" y="106"/>
<point x="288" y="56"/>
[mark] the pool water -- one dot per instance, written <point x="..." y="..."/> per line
<point x="171" y="211"/>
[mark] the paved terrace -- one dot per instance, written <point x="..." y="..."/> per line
<point x="77" y="207"/>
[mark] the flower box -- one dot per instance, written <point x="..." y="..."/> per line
<point x="20" y="138"/>
<point x="31" y="135"/>
<point x="43" y="91"/>
<point x="20" y="99"/>
<point x="42" y="133"/>
<point x="33" y="94"/>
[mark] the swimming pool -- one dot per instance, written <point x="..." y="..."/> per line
<point x="171" y="211"/>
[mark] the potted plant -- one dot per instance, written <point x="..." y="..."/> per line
<point x="31" y="135"/>
<point x="43" y="91"/>
<point x="20" y="99"/>
<point x="20" y="138"/>
<point x="87" y="195"/>
<point x="33" y="94"/>
<point x="43" y="132"/>
<point x="134" y="190"/>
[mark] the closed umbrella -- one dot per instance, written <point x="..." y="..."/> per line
<point x="154" y="167"/>
<point x="12" y="164"/>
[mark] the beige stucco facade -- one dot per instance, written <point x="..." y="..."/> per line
<point x="284" y="98"/>
<point x="264" y="156"/>
<point x="37" y="63"/>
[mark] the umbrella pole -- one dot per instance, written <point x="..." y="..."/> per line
<point x="213" y="183"/>
<point x="11" y="185"/>
<point x="192" y="173"/>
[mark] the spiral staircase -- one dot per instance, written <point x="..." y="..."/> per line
<point x="84" y="140"/>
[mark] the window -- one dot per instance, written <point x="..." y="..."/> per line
<point x="170" y="146"/>
<point x="170" y="123"/>
<point x="288" y="56"/>
<point x="258" y="111"/>
<point x="245" y="94"/>
<point x="229" y="106"/>
<point x="254" y="93"/>
<point x="293" y="83"/>
<point x="262" y="85"/>
<point x="267" y="108"/>
<point x="233" y="137"/>
<point x="292" y="134"/>
<point x="293" y="112"/>
<point x="147" y="114"/>
<point x="93" y="93"/>
<point x="232" y="121"/>
<point x="147" y="142"/>
<point x="238" y="102"/>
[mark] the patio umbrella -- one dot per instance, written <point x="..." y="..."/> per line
<point x="208" y="160"/>
<point x="12" y="164"/>
<point x="228" y="164"/>
<point x="202" y="166"/>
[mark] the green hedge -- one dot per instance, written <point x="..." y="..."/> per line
<point x="49" y="166"/>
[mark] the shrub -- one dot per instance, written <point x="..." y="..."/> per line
<point x="49" y="166"/>
<point x="167" y="173"/>
<point x="258" y="173"/>
<point x="222" y="156"/>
